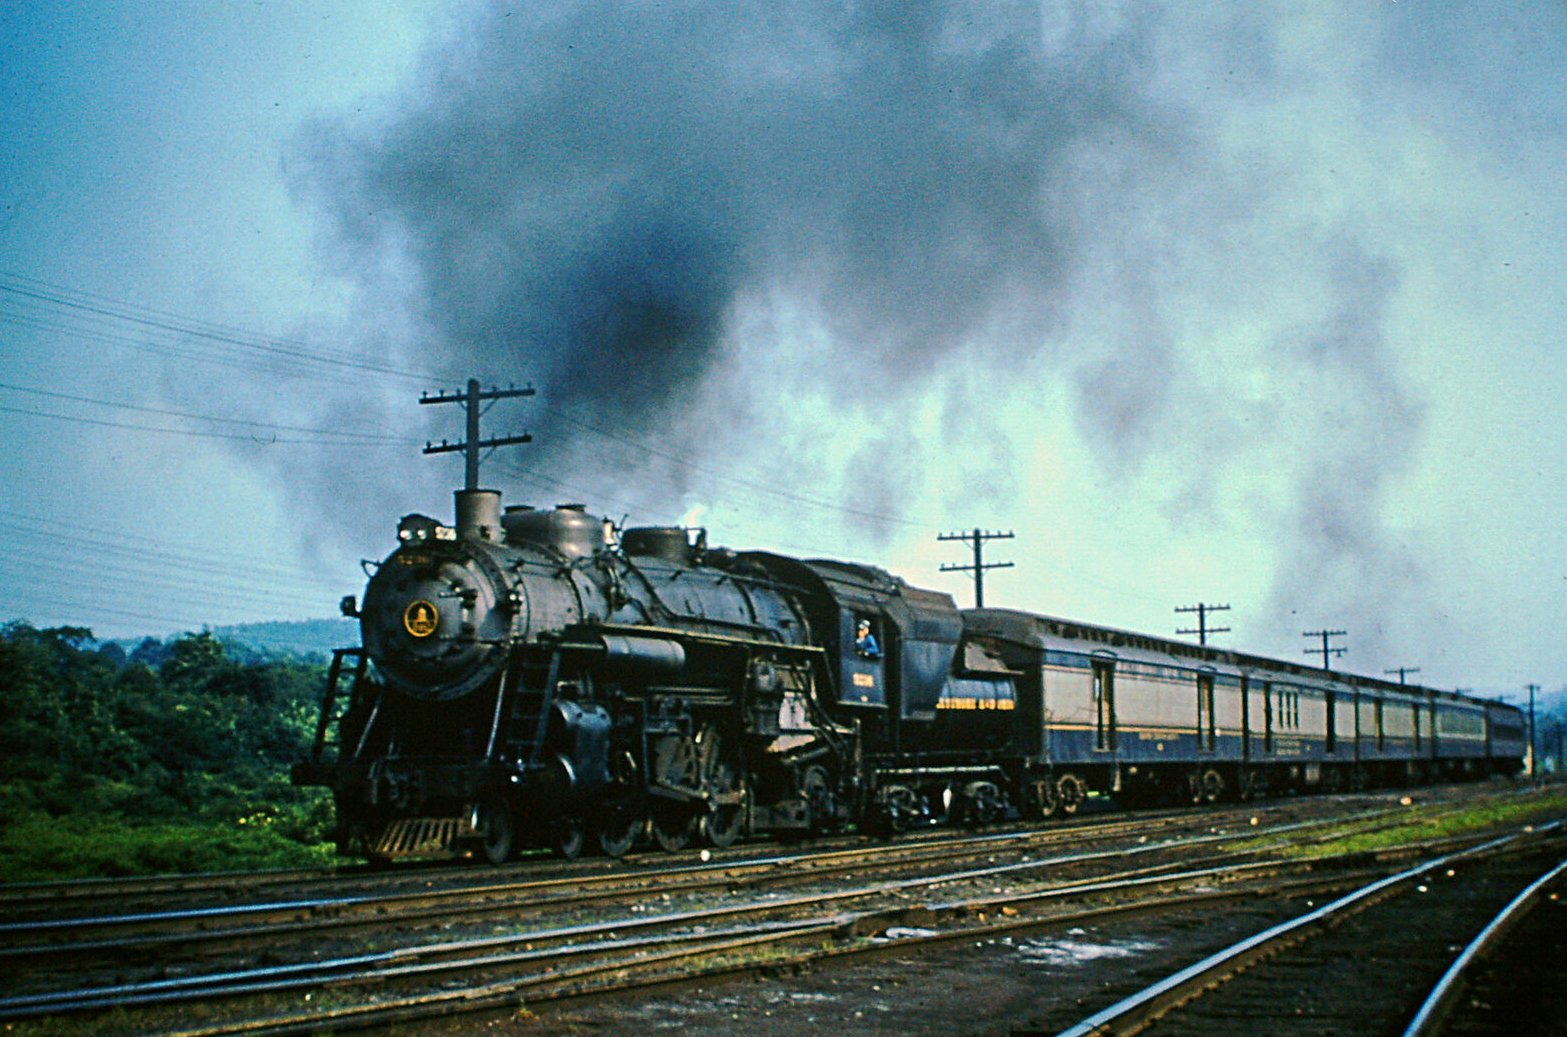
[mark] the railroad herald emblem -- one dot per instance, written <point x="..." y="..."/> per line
<point x="420" y="618"/>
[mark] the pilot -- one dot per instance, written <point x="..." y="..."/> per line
<point x="865" y="641"/>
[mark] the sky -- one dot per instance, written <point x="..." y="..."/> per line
<point x="1246" y="304"/>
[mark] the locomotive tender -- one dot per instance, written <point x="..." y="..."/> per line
<point x="537" y="677"/>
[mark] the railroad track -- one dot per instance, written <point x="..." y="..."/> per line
<point x="1371" y="961"/>
<point x="566" y="960"/>
<point x="173" y="936"/>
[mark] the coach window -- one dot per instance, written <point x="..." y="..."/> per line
<point x="1206" y="734"/>
<point x="1286" y="709"/>
<point x="1104" y="704"/>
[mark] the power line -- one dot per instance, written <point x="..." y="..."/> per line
<point x="978" y="538"/>
<point x="1402" y="671"/>
<point x="63" y="606"/>
<point x="85" y="302"/>
<point x="1202" y="609"/>
<point x="97" y="307"/>
<point x="35" y="576"/>
<point x="370" y="436"/>
<point x="199" y="433"/>
<point x="102" y="542"/>
<point x="193" y="351"/>
<point x="53" y="307"/>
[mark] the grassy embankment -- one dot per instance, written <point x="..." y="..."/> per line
<point x="1489" y="812"/>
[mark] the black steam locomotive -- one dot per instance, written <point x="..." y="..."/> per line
<point x="540" y="678"/>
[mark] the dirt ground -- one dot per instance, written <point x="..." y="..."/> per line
<point x="1045" y="980"/>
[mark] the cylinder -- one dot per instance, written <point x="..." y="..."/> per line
<point x="479" y="514"/>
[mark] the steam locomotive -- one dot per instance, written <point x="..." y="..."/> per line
<point x="540" y="678"/>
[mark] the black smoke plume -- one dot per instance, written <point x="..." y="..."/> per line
<point x="698" y="228"/>
<point x="583" y="194"/>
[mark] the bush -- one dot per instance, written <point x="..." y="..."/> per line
<point x="41" y="848"/>
<point x="175" y="760"/>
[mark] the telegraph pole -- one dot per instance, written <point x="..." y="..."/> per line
<point x="1534" y="764"/>
<point x="1202" y="609"/>
<point x="472" y="444"/>
<point x="1326" y="651"/>
<point x="978" y="538"/>
<point x="1401" y="671"/>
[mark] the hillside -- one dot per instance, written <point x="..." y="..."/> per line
<point x="304" y="637"/>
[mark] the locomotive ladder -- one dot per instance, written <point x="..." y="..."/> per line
<point x="531" y="694"/>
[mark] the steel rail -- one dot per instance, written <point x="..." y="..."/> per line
<point x="938" y="847"/>
<point x="324" y="915"/>
<point x="338" y="912"/>
<point x="558" y="986"/>
<point x="29" y="894"/>
<point x="1434" y="1010"/>
<point x="428" y="960"/>
<point x="363" y="968"/>
<point x="1132" y="1013"/>
<point x="12" y="1007"/>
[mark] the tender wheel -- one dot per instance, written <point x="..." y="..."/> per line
<point x="1041" y="801"/>
<point x="1072" y="791"/>
<point x="497" y="833"/>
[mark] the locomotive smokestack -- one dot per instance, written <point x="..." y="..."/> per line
<point x="479" y="514"/>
